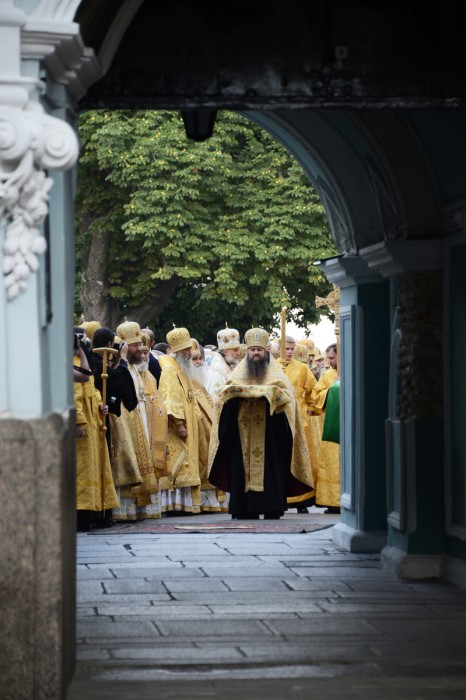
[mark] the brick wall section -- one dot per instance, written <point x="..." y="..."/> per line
<point x="420" y="355"/>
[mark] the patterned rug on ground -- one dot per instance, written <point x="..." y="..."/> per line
<point x="162" y="527"/>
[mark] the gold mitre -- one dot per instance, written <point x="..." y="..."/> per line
<point x="228" y="339"/>
<point x="179" y="339"/>
<point x="301" y="353"/>
<point x="90" y="327"/>
<point x="145" y="342"/>
<point x="196" y="352"/>
<point x="309" y="343"/>
<point x="257" y="338"/>
<point x="130" y="332"/>
<point x="319" y="356"/>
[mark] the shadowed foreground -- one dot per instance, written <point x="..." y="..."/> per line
<point x="259" y="616"/>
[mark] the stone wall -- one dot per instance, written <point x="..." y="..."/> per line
<point x="420" y="358"/>
<point x="37" y="557"/>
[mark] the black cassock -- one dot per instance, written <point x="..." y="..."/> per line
<point x="227" y="471"/>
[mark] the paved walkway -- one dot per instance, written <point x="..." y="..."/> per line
<point x="259" y="616"/>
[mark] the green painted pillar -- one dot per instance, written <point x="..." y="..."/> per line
<point x="363" y="363"/>
<point x="414" y="424"/>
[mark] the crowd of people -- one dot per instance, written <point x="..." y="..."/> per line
<point x="172" y="428"/>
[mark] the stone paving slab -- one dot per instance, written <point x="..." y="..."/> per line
<point x="180" y="655"/>
<point x="263" y="609"/>
<point x="320" y="624"/>
<point x="321" y="584"/>
<point x="155" y="573"/>
<point x="150" y="611"/>
<point x="341" y="572"/>
<point x="128" y="585"/>
<point x="114" y="598"/>
<point x="253" y="584"/>
<point x="419" y="629"/>
<point x="202" y="585"/>
<point x="100" y="627"/>
<point x="219" y="628"/>
<point x="84" y="574"/>
<point x="243" y="571"/>
<point x="89" y="587"/>
<point x="395" y="608"/>
<point x="245" y="597"/>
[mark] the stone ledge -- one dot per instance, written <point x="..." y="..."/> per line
<point x="358" y="540"/>
<point x="411" y="566"/>
<point x="454" y="571"/>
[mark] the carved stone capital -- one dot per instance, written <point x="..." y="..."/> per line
<point x="396" y="257"/>
<point x="30" y="142"/>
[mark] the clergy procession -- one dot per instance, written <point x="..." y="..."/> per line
<point x="248" y="425"/>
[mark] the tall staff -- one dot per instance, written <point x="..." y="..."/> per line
<point x="283" y="337"/>
<point x="105" y="352"/>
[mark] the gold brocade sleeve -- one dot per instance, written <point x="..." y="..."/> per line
<point x="78" y="403"/>
<point x="319" y="393"/>
<point x="172" y="394"/>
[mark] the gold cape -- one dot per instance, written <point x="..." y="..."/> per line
<point x="279" y="394"/>
<point x="303" y="381"/>
<point x="92" y="452"/>
<point x="157" y="423"/>
<point x="178" y="397"/>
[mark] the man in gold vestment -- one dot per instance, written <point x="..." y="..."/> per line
<point x="180" y="489"/>
<point x="139" y="496"/>
<point x="258" y="450"/>
<point x="303" y="381"/>
<point x="95" y="491"/>
<point x="327" y="478"/>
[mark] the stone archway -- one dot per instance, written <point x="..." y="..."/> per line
<point x="389" y="196"/>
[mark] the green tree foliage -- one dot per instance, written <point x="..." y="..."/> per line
<point x="199" y="233"/>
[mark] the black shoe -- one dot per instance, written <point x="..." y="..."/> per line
<point x="332" y="510"/>
<point x="245" y="516"/>
<point x="302" y="510"/>
<point x="273" y="515"/>
<point x="103" y="523"/>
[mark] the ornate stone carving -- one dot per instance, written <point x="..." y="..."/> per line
<point x="30" y="142"/>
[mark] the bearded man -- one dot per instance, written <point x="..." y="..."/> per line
<point x="258" y="450"/>
<point x="180" y="489"/>
<point x="139" y="496"/>
<point x="228" y="356"/>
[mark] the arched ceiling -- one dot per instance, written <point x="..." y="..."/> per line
<point x="356" y="91"/>
<point x="302" y="53"/>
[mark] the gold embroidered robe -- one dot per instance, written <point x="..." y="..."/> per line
<point x="182" y="457"/>
<point x="303" y="381"/>
<point x="92" y="452"/>
<point x="327" y="478"/>
<point x="279" y="396"/>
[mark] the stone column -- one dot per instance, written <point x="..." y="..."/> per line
<point x="37" y="530"/>
<point x="415" y="441"/>
<point x="363" y="363"/>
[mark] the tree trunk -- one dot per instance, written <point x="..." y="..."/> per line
<point x="96" y="302"/>
<point x="145" y="313"/>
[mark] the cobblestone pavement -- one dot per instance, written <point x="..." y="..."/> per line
<point x="259" y="616"/>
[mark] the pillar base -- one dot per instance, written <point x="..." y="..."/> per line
<point x="358" y="540"/>
<point x="454" y="571"/>
<point x="37" y="558"/>
<point x="411" y="566"/>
